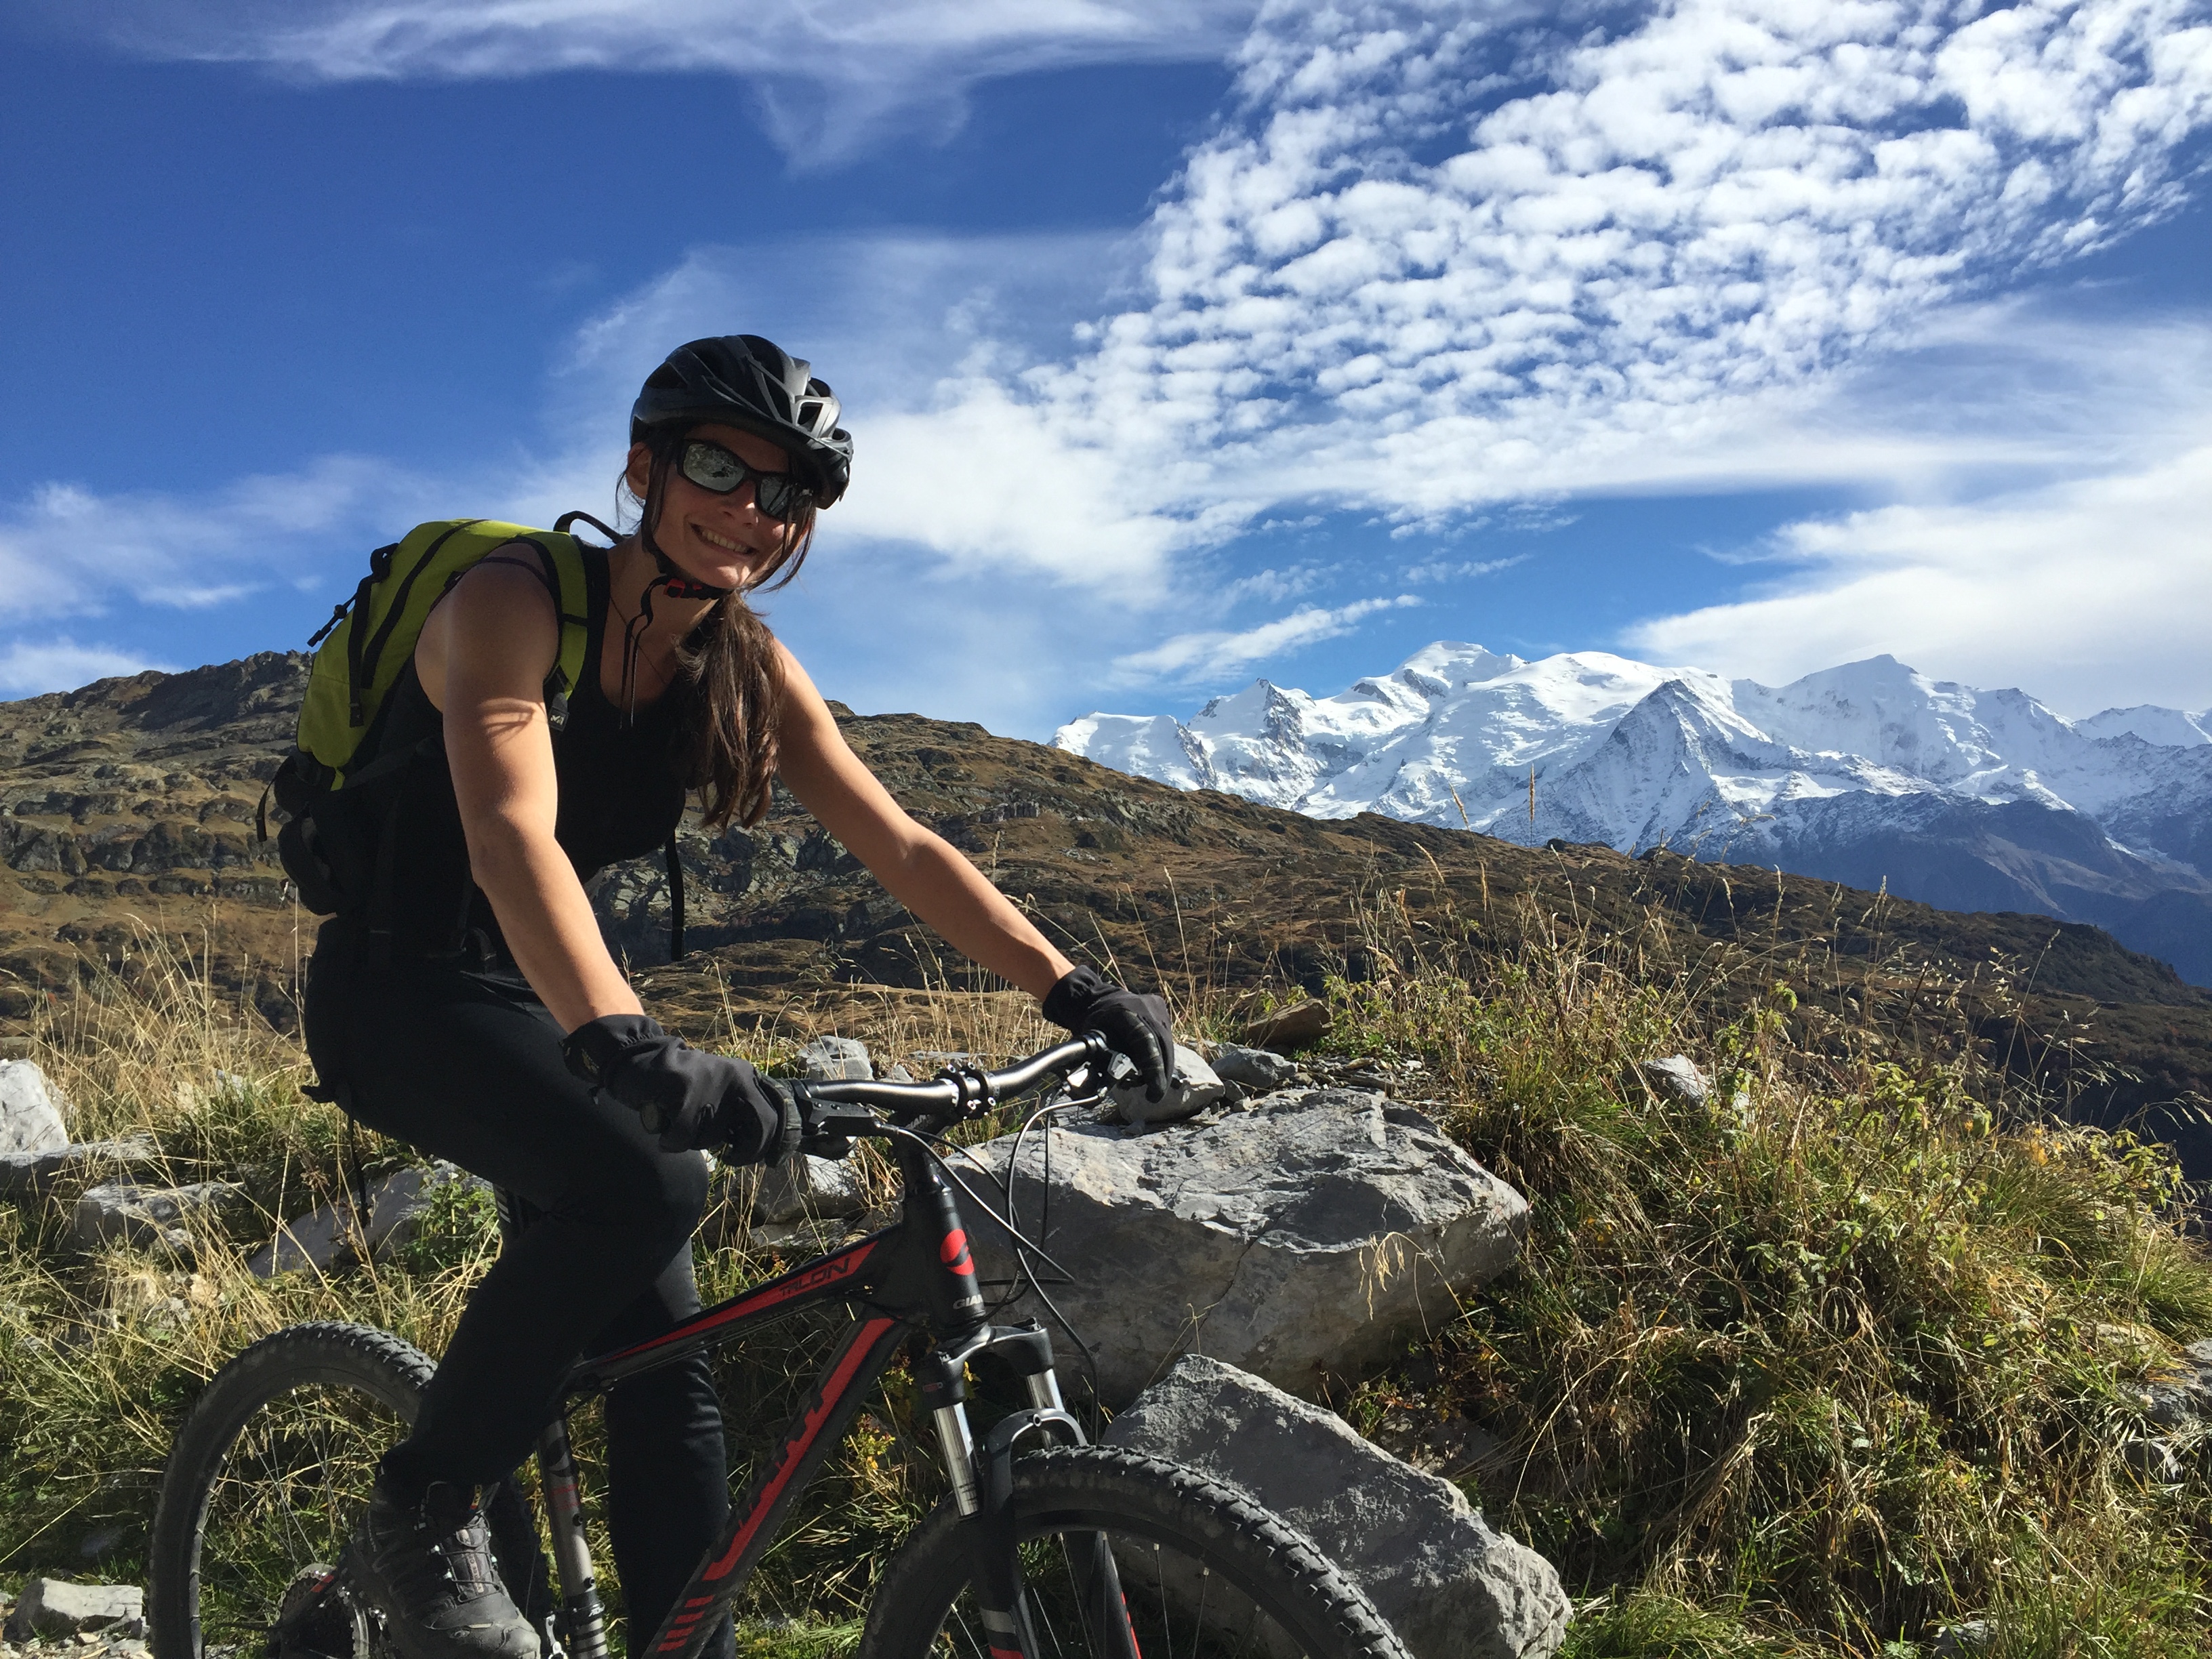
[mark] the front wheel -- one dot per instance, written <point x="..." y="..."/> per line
<point x="1204" y="1572"/>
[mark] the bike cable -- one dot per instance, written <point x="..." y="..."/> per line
<point x="1021" y="1241"/>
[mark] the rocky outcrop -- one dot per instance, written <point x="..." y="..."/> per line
<point x="1452" y="1586"/>
<point x="1306" y="1235"/>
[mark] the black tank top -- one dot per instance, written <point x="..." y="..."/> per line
<point x="620" y="795"/>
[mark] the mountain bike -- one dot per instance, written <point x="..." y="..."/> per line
<point x="1046" y="1547"/>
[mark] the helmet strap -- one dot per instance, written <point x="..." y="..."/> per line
<point x="670" y="580"/>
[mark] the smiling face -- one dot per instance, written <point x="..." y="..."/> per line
<point x="723" y="540"/>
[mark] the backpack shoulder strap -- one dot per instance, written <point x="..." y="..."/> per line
<point x="561" y="566"/>
<point x="675" y="856"/>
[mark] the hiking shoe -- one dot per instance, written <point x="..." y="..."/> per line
<point x="427" y="1567"/>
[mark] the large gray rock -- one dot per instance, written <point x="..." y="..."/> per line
<point x="399" y="1202"/>
<point x="1451" y="1585"/>
<point x="30" y="1117"/>
<point x="1310" y="1234"/>
<point x="831" y="1058"/>
<point x="803" y="1188"/>
<point x="28" y="1175"/>
<point x="1680" y="1078"/>
<point x="49" y="1607"/>
<point x="332" y="1233"/>
<point x="116" y="1211"/>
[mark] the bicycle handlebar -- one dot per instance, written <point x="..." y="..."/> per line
<point x="956" y="1093"/>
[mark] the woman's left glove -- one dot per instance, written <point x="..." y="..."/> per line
<point x="1133" y="1023"/>
<point x="692" y="1100"/>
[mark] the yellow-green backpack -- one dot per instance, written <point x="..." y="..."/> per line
<point x="329" y="844"/>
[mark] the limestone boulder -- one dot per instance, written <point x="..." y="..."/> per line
<point x="29" y="1174"/>
<point x="1310" y="1233"/>
<point x="55" y="1610"/>
<point x="30" y="1114"/>
<point x="332" y="1235"/>
<point x="1193" y="1088"/>
<point x="831" y="1058"/>
<point x="1451" y="1585"/>
<point x="119" y="1212"/>
<point x="1259" y="1070"/>
<point x="803" y="1188"/>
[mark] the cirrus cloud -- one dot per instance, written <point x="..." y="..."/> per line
<point x="829" y="82"/>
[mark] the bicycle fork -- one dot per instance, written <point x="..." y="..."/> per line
<point x="983" y="1490"/>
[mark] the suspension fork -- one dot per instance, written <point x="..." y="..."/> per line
<point x="983" y="1491"/>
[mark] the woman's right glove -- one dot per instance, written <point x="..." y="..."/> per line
<point x="692" y="1100"/>
<point x="1133" y="1023"/>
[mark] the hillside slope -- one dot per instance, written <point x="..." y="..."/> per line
<point x="130" y="802"/>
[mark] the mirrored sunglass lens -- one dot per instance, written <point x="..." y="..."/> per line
<point x="712" y="467"/>
<point x="779" y="497"/>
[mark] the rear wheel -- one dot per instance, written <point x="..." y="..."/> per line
<point x="1204" y="1572"/>
<point x="269" y="1476"/>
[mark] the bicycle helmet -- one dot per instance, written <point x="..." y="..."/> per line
<point x="755" y="384"/>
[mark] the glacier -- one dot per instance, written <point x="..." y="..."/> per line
<point x="1870" y="773"/>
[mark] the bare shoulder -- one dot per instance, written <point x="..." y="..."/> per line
<point x="497" y="628"/>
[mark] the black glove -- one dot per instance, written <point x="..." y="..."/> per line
<point x="1133" y="1023"/>
<point x="693" y="1101"/>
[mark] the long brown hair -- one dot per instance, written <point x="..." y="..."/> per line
<point x="732" y="684"/>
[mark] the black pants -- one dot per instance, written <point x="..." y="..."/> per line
<point x="466" y="1066"/>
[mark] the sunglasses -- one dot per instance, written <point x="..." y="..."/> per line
<point x="712" y="467"/>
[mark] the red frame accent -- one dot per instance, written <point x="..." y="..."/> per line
<point x="833" y="1390"/>
<point x="833" y="1269"/>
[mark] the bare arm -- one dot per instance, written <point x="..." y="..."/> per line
<point x="917" y="868"/>
<point x="482" y="656"/>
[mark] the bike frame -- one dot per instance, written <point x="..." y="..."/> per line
<point x="912" y="1285"/>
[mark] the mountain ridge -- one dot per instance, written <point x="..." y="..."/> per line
<point x="1853" y="773"/>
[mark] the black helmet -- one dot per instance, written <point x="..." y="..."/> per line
<point x="755" y="384"/>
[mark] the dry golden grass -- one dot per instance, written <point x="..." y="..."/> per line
<point x="1848" y="1355"/>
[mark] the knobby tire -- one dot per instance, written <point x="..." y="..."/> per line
<point x="1295" y="1601"/>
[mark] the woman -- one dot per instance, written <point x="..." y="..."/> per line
<point x="492" y="1027"/>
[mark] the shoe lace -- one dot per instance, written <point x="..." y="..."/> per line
<point x="447" y="1552"/>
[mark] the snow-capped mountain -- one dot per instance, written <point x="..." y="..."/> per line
<point x="1976" y="800"/>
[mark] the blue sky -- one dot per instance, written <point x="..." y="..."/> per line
<point x="1181" y="342"/>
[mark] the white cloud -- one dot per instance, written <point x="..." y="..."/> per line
<point x="828" y="80"/>
<point x="1646" y="272"/>
<point x="61" y="664"/>
<point x="66" y="551"/>
<point x="2088" y="593"/>
<point x="1447" y="570"/>
<point x="1214" y="654"/>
